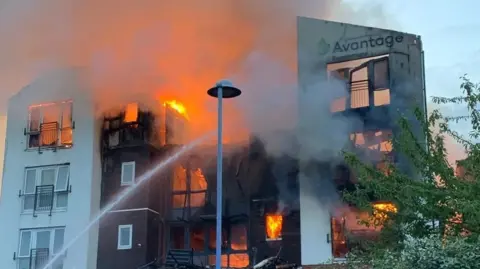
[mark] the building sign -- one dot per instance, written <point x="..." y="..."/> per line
<point x="358" y="45"/>
<point x="366" y="43"/>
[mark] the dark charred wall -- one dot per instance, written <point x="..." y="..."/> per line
<point x="274" y="190"/>
<point x="145" y="233"/>
<point x="151" y="194"/>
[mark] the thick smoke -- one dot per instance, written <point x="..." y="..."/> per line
<point x="158" y="50"/>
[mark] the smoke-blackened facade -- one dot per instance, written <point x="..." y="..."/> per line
<point x="272" y="205"/>
<point x="172" y="216"/>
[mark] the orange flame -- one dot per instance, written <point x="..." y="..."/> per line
<point x="177" y="106"/>
<point x="380" y="210"/>
<point x="131" y="112"/>
<point x="274" y="227"/>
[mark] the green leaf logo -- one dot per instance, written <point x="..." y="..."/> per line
<point x="323" y="47"/>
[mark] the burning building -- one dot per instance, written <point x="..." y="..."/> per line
<point x="59" y="152"/>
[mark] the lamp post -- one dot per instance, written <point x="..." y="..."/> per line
<point x="222" y="89"/>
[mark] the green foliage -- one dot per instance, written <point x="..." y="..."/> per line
<point x="420" y="199"/>
<point x="430" y="253"/>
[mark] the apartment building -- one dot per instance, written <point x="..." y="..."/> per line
<point x="52" y="177"/>
<point x="383" y="72"/>
<point x="63" y="164"/>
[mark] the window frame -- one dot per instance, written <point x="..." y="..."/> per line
<point x="344" y="103"/>
<point x="188" y="192"/>
<point x="124" y="164"/>
<point x="209" y="231"/>
<point x="63" y="106"/>
<point x="119" y="235"/>
<point x="33" y="239"/>
<point x="38" y="179"/>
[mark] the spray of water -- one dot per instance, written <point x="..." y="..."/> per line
<point x="140" y="180"/>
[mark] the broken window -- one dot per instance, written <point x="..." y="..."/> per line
<point x="381" y="82"/>
<point x="273" y="227"/>
<point x="197" y="238"/>
<point x="349" y="226"/>
<point x="339" y="241"/>
<point x="131" y="113"/>
<point x="50" y="125"/>
<point x="342" y="76"/>
<point x="188" y="190"/>
<point x="377" y="143"/>
<point x="177" y="238"/>
<point x="212" y="232"/>
<point x="234" y="246"/>
<point x="368" y="78"/>
<point x="359" y="87"/>
<point x="238" y="237"/>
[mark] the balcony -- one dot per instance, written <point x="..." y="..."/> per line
<point x="49" y="135"/>
<point x="118" y="132"/>
<point x="50" y="126"/>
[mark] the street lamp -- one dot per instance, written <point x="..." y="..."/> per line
<point x="222" y="89"/>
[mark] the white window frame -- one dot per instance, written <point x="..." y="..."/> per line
<point x="33" y="240"/>
<point x="119" y="245"/>
<point x="63" y="106"/>
<point x="122" y="181"/>
<point x="38" y="178"/>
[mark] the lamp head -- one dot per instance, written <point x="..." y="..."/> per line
<point x="228" y="90"/>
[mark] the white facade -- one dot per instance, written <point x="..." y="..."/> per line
<point x="321" y="43"/>
<point x="81" y="161"/>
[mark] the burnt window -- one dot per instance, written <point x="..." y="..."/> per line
<point x="368" y="82"/>
<point x="188" y="189"/>
<point x="349" y="229"/>
<point x="212" y="238"/>
<point x="177" y="238"/>
<point x="376" y="144"/>
<point x="197" y="238"/>
<point x="50" y="125"/>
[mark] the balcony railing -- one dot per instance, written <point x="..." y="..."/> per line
<point x="44" y="196"/>
<point x="38" y="257"/>
<point x="49" y="135"/>
<point x="126" y="134"/>
<point x="359" y="94"/>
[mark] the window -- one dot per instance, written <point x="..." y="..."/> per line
<point x="46" y="188"/>
<point x="349" y="229"/>
<point x="177" y="238"/>
<point x="37" y="246"/>
<point x="377" y="142"/>
<point x="128" y="173"/>
<point x="201" y="238"/>
<point x="125" y="233"/>
<point x="50" y="125"/>
<point x="190" y="190"/>
<point x="381" y="82"/>
<point x="369" y="81"/>
<point x="359" y="87"/>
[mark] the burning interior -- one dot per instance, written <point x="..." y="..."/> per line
<point x="255" y="227"/>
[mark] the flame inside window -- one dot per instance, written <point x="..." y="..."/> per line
<point x="131" y="112"/>
<point x="273" y="227"/>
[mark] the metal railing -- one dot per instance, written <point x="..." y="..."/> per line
<point x="49" y="134"/>
<point x="38" y="257"/>
<point x="44" y="196"/>
<point x="359" y="94"/>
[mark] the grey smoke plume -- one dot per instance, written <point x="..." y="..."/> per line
<point x="159" y="49"/>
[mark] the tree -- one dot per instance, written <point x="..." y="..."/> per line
<point x="437" y="211"/>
